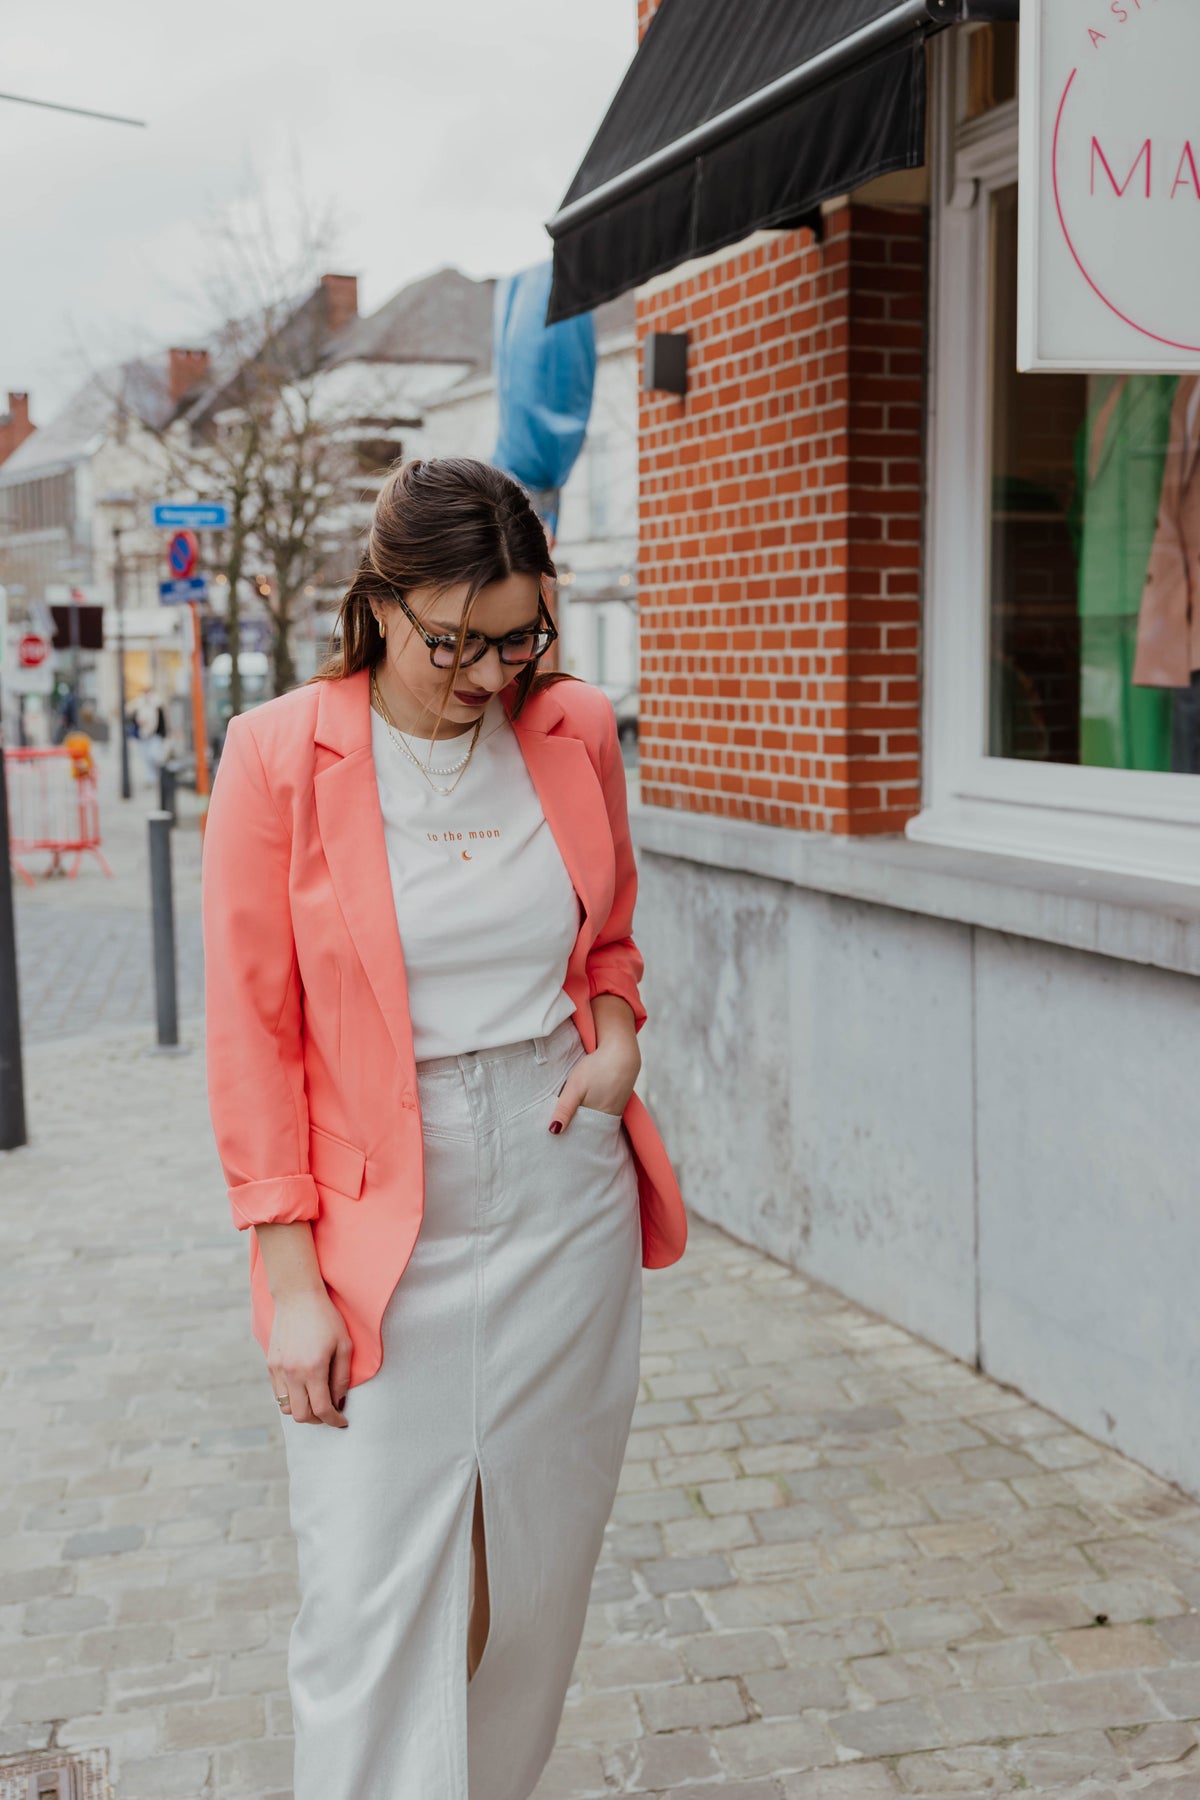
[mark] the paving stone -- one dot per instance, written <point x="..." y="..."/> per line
<point x="785" y="1693"/>
<point x="214" y="1722"/>
<point x="759" y="1603"/>
<point x="774" y="1746"/>
<point x="180" y="1777"/>
<point x="1021" y="1613"/>
<point x="1100" y="1700"/>
<point x="969" y="1773"/>
<point x="59" y="1697"/>
<point x="1181" y="1635"/>
<point x="914" y="1627"/>
<point x="993" y="1713"/>
<point x="701" y="1536"/>
<point x="633" y="1665"/>
<point x="1147" y="1745"/>
<point x="697" y="1703"/>
<point x="859" y="1590"/>
<point x="133" y="1646"/>
<point x="829" y="1640"/>
<point x="745" y="1496"/>
<point x="1103" y="1647"/>
<point x="679" y="1574"/>
<point x="730" y="1790"/>
<point x="572" y="1773"/>
<point x="864" y="1781"/>
<point x="1008" y="1662"/>
<point x="1177" y="1690"/>
<point x="889" y="1729"/>
<point x="904" y="1677"/>
<point x="667" y="1761"/>
<point x="104" y="1543"/>
<point x="732" y="1653"/>
<point x="1126" y="1600"/>
<point x="759" y="1562"/>
<point x="1049" y="1765"/>
<point x="805" y="1520"/>
<point x="248" y="1769"/>
<point x="605" y="1718"/>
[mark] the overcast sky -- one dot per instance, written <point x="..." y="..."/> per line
<point x="444" y="132"/>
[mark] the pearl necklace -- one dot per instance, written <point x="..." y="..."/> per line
<point x="406" y="749"/>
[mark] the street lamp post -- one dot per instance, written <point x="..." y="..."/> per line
<point x="121" y="507"/>
<point x="119" y="598"/>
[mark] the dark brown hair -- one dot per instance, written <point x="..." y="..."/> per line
<point x="439" y="522"/>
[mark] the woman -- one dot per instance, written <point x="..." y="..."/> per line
<point x="151" y="721"/>
<point x="423" y="1009"/>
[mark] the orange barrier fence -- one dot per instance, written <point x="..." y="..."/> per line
<point x="52" y="805"/>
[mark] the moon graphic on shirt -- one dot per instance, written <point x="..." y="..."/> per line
<point x="465" y="857"/>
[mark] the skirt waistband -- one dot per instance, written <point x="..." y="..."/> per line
<point x="540" y="1049"/>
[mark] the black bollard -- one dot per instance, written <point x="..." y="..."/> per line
<point x="12" y="1079"/>
<point x="166" y="791"/>
<point x="163" y="907"/>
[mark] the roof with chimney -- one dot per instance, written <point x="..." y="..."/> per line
<point x="443" y="317"/>
<point x="141" y="386"/>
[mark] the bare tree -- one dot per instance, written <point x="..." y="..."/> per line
<point x="264" y="434"/>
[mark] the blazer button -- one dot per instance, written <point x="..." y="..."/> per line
<point x="409" y="1100"/>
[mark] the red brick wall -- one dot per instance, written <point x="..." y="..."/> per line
<point x="780" y="517"/>
<point x="779" y="527"/>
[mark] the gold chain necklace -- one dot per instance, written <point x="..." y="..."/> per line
<point x="406" y="749"/>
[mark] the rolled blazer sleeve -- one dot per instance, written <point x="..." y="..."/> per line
<point x="254" y="1048"/>
<point x="614" y="962"/>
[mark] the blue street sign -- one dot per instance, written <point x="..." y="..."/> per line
<point x="200" y="515"/>
<point x="195" y="587"/>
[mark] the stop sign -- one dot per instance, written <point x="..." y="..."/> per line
<point x="32" y="650"/>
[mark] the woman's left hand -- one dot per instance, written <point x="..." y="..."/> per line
<point x="602" y="1081"/>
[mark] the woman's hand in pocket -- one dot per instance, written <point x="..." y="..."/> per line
<point x="309" y="1358"/>
<point x="602" y="1082"/>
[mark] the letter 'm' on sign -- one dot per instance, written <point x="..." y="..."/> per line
<point x="1120" y="189"/>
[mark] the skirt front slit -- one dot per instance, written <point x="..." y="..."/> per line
<point x="510" y="1357"/>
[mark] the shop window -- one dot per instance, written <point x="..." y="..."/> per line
<point x="1062" y="626"/>
<point x="1093" y="543"/>
<point x="991" y="71"/>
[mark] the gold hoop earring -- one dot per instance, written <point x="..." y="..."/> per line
<point x="382" y="632"/>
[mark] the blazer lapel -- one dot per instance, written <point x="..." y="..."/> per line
<point x="351" y="826"/>
<point x="572" y="800"/>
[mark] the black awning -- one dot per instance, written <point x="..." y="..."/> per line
<point x="737" y="115"/>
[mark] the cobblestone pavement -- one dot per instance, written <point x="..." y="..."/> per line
<point x="842" y="1566"/>
<point x="84" y="947"/>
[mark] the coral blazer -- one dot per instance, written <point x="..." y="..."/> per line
<point x="311" y="1074"/>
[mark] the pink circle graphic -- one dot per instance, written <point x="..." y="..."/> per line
<point x="1143" y="330"/>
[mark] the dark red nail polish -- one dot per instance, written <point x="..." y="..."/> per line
<point x="556" y="1127"/>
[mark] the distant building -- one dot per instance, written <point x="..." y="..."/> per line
<point x="56" y="547"/>
<point x="15" y="425"/>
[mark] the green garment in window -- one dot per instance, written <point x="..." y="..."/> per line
<point x="1120" y="455"/>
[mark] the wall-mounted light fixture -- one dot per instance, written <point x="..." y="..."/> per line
<point x="664" y="362"/>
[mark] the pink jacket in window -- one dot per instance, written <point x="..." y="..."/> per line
<point x="311" y="1074"/>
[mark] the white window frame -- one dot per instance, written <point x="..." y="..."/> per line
<point x="1120" y="820"/>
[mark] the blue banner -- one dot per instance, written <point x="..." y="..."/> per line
<point x="544" y="380"/>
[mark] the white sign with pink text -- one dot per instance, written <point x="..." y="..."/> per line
<point x="1110" y="185"/>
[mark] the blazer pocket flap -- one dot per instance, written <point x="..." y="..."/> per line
<point x="335" y="1163"/>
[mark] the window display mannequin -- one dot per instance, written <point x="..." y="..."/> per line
<point x="1168" y="640"/>
<point x="1121" y="454"/>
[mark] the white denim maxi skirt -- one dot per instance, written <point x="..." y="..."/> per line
<point x="510" y="1347"/>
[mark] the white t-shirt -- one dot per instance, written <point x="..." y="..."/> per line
<point x="487" y="912"/>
